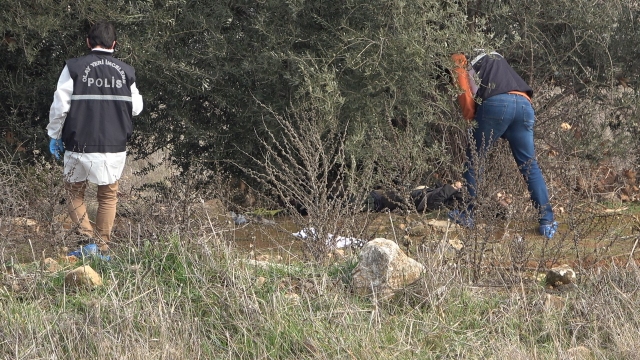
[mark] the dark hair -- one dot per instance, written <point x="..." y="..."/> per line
<point x="102" y="34"/>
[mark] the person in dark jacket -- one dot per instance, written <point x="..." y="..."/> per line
<point x="500" y="105"/>
<point x="90" y="122"/>
<point x="424" y="198"/>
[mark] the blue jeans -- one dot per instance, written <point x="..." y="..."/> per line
<point x="511" y="117"/>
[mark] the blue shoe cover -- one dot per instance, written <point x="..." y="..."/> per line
<point x="90" y="250"/>
<point x="549" y="230"/>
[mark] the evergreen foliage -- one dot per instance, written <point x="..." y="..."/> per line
<point x="213" y="74"/>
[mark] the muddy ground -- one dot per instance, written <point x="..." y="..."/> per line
<point x="26" y="240"/>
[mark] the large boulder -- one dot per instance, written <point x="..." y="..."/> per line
<point x="384" y="269"/>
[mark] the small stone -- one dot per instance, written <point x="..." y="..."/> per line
<point x="83" y="276"/>
<point x="339" y="253"/>
<point x="71" y="259"/>
<point x="418" y="230"/>
<point x="439" y="223"/>
<point x="51" y="265"/>
<point x="260" y="281"/>
<point x="262" y="257"/>
<point x="384" y="269"/>
<point x="456" y="243"/>
<point x="29" y="224"/>
<point x="442" y="225"/>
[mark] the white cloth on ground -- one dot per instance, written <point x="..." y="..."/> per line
<point x="332" y="240"/>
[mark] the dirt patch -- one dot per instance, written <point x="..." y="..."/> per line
<point x="25" y="240"/>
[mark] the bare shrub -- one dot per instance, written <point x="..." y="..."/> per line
<point x="31" y="197"/>
<point x="307" y="168"/>
<point x="589" y="138"/>
<point x="503" y="215"/>
<point x="28" y="189"/>
<point x="188" y="204"/>
<point x="505" y="239"/>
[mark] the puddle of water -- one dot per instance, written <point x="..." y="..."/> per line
<point x="277" y="237"/>
<point x="273" y="239"/>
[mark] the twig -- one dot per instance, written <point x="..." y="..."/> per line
<point x="33" y="252"/>
<point x="395" y="238"/>
<point x="137" y="297"/>
<point x="633" y="249"/>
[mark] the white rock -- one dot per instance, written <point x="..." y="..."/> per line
<point x="383" y="269"/>
<point x="560" y="275"/>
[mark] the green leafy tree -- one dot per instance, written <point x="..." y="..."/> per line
<point x="215" y="76"/>
<point x="205" y="67"/>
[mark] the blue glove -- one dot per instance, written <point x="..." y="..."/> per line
<point x="56" y="148"/>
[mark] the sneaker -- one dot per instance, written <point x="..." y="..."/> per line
<point x="549" y="230"/>
<point x="461" y="218"/>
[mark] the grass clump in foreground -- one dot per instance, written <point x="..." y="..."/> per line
<point x="200" y="300"/>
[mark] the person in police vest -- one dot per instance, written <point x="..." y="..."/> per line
<point x="500" y="105"/>
<point x="90" y="122"/>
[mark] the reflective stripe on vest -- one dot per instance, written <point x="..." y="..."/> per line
<point x="101" y="97"/>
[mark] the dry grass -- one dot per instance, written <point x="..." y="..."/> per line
<point x="199" y="301"/>
<point x="179" y="288"/>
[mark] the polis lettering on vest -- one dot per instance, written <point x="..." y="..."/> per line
<point x="106" y="82"/>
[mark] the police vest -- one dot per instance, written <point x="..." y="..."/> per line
<point x="100" y="116"/>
